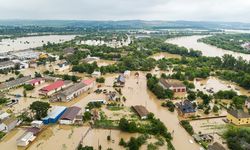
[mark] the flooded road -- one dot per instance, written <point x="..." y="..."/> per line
<point x="207" y="50"/>
<point x="31" y="42"/>
<point x="137" y="94"/>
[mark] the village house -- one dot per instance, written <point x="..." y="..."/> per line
<point x="7" y="65"/>
<point x="247" y="103"/>
<point x="61" y="66"/>
<point x="54" y="87"/>
<point x="71" y="116"/>
<point x="96" y="74"/>
<point x="141" y="111"/>
<point x="25" y="139"/>
<point x="185" y="109"/>
<point x="174" y="85"/>
<point x="36" y="81"/>
<point x="70" y="93"/>
<point x="54" y="114"/>
<point x="238" y="117"/>
<point x="120" y="82"/>
<point x="4" y="115"/>
<point x="30" y="134"/>
<point x="127" y="73"/>
<point x="90" y="83"/>
<point x="8" y="124"/>
<point x="15" y="83"/>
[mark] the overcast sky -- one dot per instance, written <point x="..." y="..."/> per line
<point x="195" y="10"/>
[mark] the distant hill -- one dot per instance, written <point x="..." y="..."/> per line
<point x="127" y="24"/>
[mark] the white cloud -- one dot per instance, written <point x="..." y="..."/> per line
<point x="212" y="10"/>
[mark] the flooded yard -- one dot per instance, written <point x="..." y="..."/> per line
<point x="31" y="42"/>
<point x="214" y="84"/>
<point x="166" y="55"/>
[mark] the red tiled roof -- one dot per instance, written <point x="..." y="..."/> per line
<point x="35" y="80"/>
<point x="53" y="86"/>
<point x="70" y="113"/>
<point x="88" y="81"/>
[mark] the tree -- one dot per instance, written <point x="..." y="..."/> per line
<point x="24" y="93"/>
<point x="40" y="109"/>
<point x="28" y="87"/>
<point x="149" y="75"/>
<point x="215" y="109"/>
<point x="191" y="96"/>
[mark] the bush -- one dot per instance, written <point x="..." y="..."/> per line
<point x="186" y="125"/>
<point x="28" y="87"/>
<point x="100" y="80"/>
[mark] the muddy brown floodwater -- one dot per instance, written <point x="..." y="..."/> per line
<point x="137" y="94"/>
<point x="217" y="84"/>
<point x="166" y="55"/>
<point x="207" y="50"/>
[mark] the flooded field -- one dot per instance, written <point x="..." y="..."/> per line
<point x="214" y="127"/>
<point x="31" y="42"/>
<point x="166" y="55"/>
<point x="102" y="62"/>
<point x="207" y="50"/>
<point x="214" y="84"/>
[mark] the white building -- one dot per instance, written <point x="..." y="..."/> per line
<point x="247" y="103"/>
<point x="37" y="123"/>
<point x="25" y="139"/>
<point x="7" y="65"/>
<point x="127" y="73"/>
<point x="96" y="74"/>
<point x="8" y="124"/>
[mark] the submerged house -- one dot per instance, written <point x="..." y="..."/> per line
<point x="141" y="111"/>
<point x="36" y="81"/>
<point x="71" y="115"/>
<point x="70" y="93"/>
<point x="186" y="109"/>
<point x="238" y="117"/>
<point x="8" y="124"/>
<point x="120" y="82"/>
<point x="15" y="83"/>
<point x="54" y="114"/>
<point x="61" y="66"/>
<point x="25" y="139"/>
<point x="171" y="84"/>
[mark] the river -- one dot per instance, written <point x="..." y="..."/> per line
<point x="207" y="50"/>
<point x="31" y="42"/>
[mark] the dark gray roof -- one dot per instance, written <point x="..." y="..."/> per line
<point x="121" y="78"/>
<point x="70" y="113"/>
<point x="186" y="107"/>
<point x="140" y="110"/>
<point x="15" y="82"/>
<point x="6" y="63"/>
<point x="70" y="90"/>
<point x="238" y="113"/>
